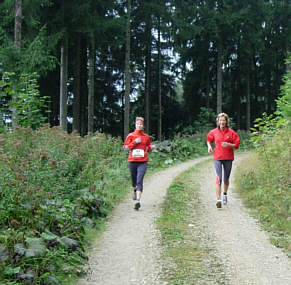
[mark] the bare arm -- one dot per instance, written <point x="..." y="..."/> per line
<point x="210" y="149"/>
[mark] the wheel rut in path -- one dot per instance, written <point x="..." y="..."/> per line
<point x="128" y="251"/>
<point x="245" y="249"/>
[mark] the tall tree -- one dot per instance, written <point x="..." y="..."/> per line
<point x="63" y="85"/>
<point x="18" y="20"/>
<point x="250" y="31"/>
<point x="64" y="72"/>
<point x="76" y="86"/>
<point x="219" y="77"/>
<point x="91" y="84"/>
<point x="17" y="44"/>
<point x="84" y="87"/>
<point x="159" y="82"/>
<point x="148" y="72"/>
<point x="127" y="73"/>
<point x="248" y="99"/>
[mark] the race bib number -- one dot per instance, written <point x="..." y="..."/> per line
<point x="138" y="153"/>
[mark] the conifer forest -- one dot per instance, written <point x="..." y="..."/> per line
<point x="92" y="66"/>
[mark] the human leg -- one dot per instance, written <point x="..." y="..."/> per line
<point x="227" y="165"/>
<point x="133" y="174"/>
<point x="218" y="171"/>
<point x="141" y="170"/>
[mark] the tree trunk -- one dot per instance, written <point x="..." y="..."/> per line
<point x="91" y="85"/>
<point x="76" y="88"/>
<point x="219" y="77"/>
<point x="127" y="74"/>
<point x="17" y="44"/>
<point x="63" y="85"/>
<point x="207" y="83"/>
<point x="148" y="78"/>
<point x="17" y="23"/>
<point x="238" y="105"/>
<point x="248" y="95"/>
<point x="159" y="82"/>
<point x="83" y="88"/>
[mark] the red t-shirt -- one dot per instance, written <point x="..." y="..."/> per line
<point x="138" y="151"/>
<point x="218" y="136"/>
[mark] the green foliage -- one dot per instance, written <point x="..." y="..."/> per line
<point x="265" y="181"/>
<point x="284" y="102"/>
<point x="177" y="150"/>
<point x="267" y="127"/>
<point x="265" y="185"/>
<point x="55" y="186"/>
<point x="205" y="121"/>
<point x="245" y="140"/>
<point x="37" y="57"/>
<point x="23" y="96"/>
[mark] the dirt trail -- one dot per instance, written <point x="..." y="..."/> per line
<point x="241" y="243"/>
<point x="128" y="252"/>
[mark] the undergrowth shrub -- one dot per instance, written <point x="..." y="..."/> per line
<point x="178" y="149"/>
<point x="53" y="187"/>
<point x="265" y="184"/>
<point x="266" y="188"/>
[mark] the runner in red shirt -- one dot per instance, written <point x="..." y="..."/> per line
<point x="138" y="143"/>
<point x="225" y="140"/>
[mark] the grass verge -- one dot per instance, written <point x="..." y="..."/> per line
<point x="188" y="257"/>
<point x="265" y="192"/>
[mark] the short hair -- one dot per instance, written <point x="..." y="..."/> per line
<point x="139" y="118"/>
<point x="222" y="115"/>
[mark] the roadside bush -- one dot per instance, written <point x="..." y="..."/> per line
<point x="21" y="94"/>
<point x="54" y="187"/>
<point x="266" y="187"/>
<point x="177" y="150"/>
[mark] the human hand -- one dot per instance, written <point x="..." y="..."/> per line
<point x="137" y="140"/>
<point x="225" y="144"/>
<point x="210" y="149"/>
<point x="152" y="147"/>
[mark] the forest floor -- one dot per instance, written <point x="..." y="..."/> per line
<point x="128" y="251"/>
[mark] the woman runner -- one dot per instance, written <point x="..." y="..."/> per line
<point x="225" y="140"/>
<point x="138" y="143"/>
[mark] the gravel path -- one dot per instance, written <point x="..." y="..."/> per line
<point x="128" y="252"/>
<point x="244" y="247"/>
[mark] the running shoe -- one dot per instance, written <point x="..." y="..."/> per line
<point x="218" y="203"/>
<point x="134" y="195"/>
<point x="224" y="199"/>
<point x="137" y="205"/>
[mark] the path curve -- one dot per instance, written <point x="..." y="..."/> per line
<point x="245" y="249"/>
<point x="128" y="251"/>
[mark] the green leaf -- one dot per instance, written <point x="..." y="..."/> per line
<point x="12" y="271"/>
<point x="48" y="236"/>
<point x="20" y="249"/>
<point x="35" y="247"/>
